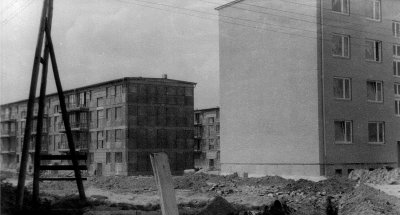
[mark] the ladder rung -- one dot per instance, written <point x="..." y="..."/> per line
<point x="59" y="179"/>
<point x="62" y="157"/>
<point x="62" y="167"/>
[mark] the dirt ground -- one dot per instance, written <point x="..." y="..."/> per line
<point x="196" y="192"/>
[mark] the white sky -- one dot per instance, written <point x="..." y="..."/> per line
<point x="100" y="40"/>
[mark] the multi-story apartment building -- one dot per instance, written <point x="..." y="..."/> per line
<point x="118" y="123"/>
<point x="309" y="87"/>
<point x="206" y="139"/>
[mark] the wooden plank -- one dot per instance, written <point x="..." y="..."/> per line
<point x="59" y="179"/>
<point x="62" y="167"/>
<point x="162" y="175"/>
<point x="40" y="115"/>
<point x="62" y="157"/>
<point x="65" y="117"/>
<point x="29" y="117"/>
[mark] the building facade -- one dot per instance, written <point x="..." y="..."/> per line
<point x="206" y="139"/>
<point x="309" y="88"/>
<point x="117" y="123"/>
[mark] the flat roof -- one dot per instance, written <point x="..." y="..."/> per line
<point x="124" y="79"/>
<point x="207" y="109"/>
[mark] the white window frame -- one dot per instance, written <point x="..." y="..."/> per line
<point x="342" y="9"/>
<point x="344" y="88"/>
<point x="376" y="93"/>
<point x="375" y="42"/>
<point x="397" y="89"/>
<point x="397" y="107"/>
<point x="396" y="50"/>
<point x="377" y="132"/>
<point x="396" y="67"/>
<point x="374" y="9"/>
<point x="396" y="28"/>
<point x="346" y="123"/>
<point x="343" y="55"/>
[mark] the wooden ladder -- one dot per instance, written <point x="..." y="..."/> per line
<point x="45" y="29"/>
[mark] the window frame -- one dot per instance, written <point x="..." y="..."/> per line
<point x="120" y="135"/>
<point x="375" y="42"/>
<point x="345" y="132"/>
<point x="118" y="113"/>
<point x="377" y="132"/>
<point x="115" y="158"/>
<point x="396" y="89"/>
<point x="342" y="55"/>
<point x="374" y="11"/>
<point x="108" y="157"/>
<point x="376" y="93"/>
<point x="396" y="67"/>
<point x="341" y="7"/>
<point x="396" y="50"/>
<point x="343" y="79"/>
<point x="396" y="28"/>
<point x="397" y="107"/>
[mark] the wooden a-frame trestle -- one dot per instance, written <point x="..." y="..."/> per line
<point x="44" y="36"/>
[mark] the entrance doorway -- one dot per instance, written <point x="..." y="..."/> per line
<point x="99" y="170"/>
<point x="211" y="164"/>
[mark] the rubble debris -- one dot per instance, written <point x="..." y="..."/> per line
<point x="218" y="206"/>
<point x="277" y="208"/>
<point x="377" y="176"/>
<point x="367" y="200"/>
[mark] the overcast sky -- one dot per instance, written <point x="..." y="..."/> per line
<point x="100" y="40"/>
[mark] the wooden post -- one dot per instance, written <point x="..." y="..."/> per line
<point x="36" y="173"/>
<point x="65" y="117"/>
<point x="162" y="175"/>
<point x="29" y="114"/>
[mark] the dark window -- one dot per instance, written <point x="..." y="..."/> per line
<point x="376" y="132"/>
<point x="118" y="157"/>
<point x="108" y="157"/>
<point x="91" y="157"/>
<point x="338" y="172"/>
<point x="118" y="135"/>
<point x="118" y="113"/>
<point x="100" y="102"/>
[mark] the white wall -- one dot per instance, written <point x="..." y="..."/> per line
<point x="269" y="89"/>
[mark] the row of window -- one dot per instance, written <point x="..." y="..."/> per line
<point x="111" y="136"/>
<point x="117" y="157"/>
<point x="342" y="90"/>
<point x="344" y="132"/>
<point x="372" y="8"/>
<point x="373" y="50"/>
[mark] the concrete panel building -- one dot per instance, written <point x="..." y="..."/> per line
<point x="309" y="87"/>
<point x="118" y="123"/>
<point x="206" y="137"/>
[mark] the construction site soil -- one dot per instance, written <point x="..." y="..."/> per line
<point x="201" y="193"/>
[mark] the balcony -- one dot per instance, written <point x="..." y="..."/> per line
<point x="34" y="130"/>
<point x="79" y="146"/>
<point x="76" y="107"/>
<point x="7" y="119"/>
<point x="10" y="149"/>
<point x="8" y="133"/>
<point x="32" y="147"/>
<point x="75" y="126"/>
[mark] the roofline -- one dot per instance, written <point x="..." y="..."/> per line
<point x="228" y="4"/>
<point x="103" y="83"/>
<point x="207" y="109"/>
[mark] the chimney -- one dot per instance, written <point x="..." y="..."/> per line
<point x="164" y="76"/>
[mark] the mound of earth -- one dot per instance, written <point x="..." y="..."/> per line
<point x="367" y="200"/>
<point x="377" y="176"/>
